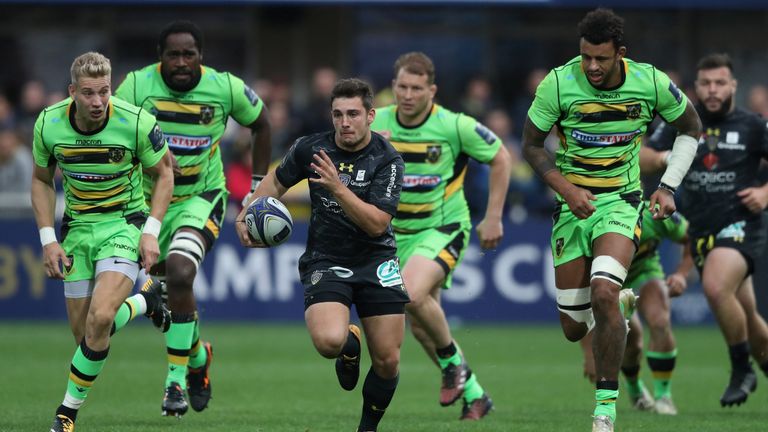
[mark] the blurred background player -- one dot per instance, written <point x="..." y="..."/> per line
<point x="192" y="103"/>
<point x="98" y="142"/>
<point x="355" y="181"/>
<point x="601" y="103"/>
<point x="646" y="276"/>
<point x="724" y="202"/>
<point x="432" y="224"/>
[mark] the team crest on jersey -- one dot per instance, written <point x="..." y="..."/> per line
<point x="345" y="179"/>
<point x="634" y="111"/>
<point x="316" y="276"/>
<point x="206" y="114"/>
<point x="559" y="244"/>
<point x="156" y="138"/>
<point x="116" y="155"/>
<point x="433" y="153"/>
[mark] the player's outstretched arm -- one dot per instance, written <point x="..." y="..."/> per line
<point x="261" y="150"/>
<point x="540" y="159"/>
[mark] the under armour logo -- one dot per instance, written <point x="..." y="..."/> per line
<point x="346" y="167"/>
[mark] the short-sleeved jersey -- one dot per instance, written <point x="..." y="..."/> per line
<point x="374" y="174"/>
<point x="193" y="121"/>
<point x="727" y="161"/>
<point x="102" y="169"/>
<point x="673" y="228"/>
<point x="600" y="130"/>
<point x="436" y="154"/>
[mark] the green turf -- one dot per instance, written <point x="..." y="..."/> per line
<point x="268" y="378"/>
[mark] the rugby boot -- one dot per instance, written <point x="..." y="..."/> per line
<point x="174" y="403"/>
<point x="476" y="409"/>
<point x="664" y="405"/>
<point x="62" y="423"/>
<point x="742" y="383"/>
<point x="157" y="310"/>
<point x="454" y="380"/>
<point x="644" y="401"/>
<point x="199" y="382"/>
<point x="348" y="367"/>
<point x="602" y="423"/>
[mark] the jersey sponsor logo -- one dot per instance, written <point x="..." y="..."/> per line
<point x="342" y="272"/>
<point x="187" y="142"/>
<point x="732" y="137"/>
<point x="604" y="140"/>
<point x="559" y="244"/>
<point x="675" y="92"/>
<point x="89" y="177"/>
<point x="331" y="205"/>
<point x="613" y="95"/>
<point x="346" y="167"/>
<point x="486" y="134"/>
<point x="116" y="154"/>
<point x="710" y="161"/>
<point x="124" y="247"/>
<point x="360" y="175"/>
<point x="253" y="98"/>
<point x="392" y="180"/>
<point x="620" y="224"/>
<point x="421" y="181"/>
<point x="156" y="138"/>
<point x="88" y="142"/>
<point x="388" y="273"/>
<point x="433" y="153"/>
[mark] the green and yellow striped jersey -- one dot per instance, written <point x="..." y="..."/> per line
<point x="102" y="169"/>
<point x="193" y="121"/>
<point x="436" y="155"/>
<point x="600" y="130"/>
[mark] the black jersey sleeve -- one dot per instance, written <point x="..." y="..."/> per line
<point x="762" y="132"/>
<point x="387" y="183"/>
<point x="293" y="167"/>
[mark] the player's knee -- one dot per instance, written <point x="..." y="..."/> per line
<point x="574" y="332"/>
<point x="712" y="290"/>
<point x="604" y="296"/>
<point x="100" y="319"/>
<point x="329" y="345"/>
<point x="386" y="365"/>
<point x="180" y="273"/>
<point x="606" y="279"/>
<point x="575" y="308"/>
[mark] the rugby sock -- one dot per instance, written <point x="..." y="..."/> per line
<point x="178" y="339"/>
<point x="448" y="355"/>
<point x="662" y="365"/>
<point x="86" y="366"/>
<point x="472" y="389"/>
<point x="739" y="354"/>
<point x="197" y="355"/>
<point x="377" y="393"/>
<point x="634" y="385"/>
<point x="131" y="307"/>
<point x="606" y="393"/>
<point x="351" y="346"/>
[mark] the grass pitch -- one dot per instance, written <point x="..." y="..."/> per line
<point x="268" y="378"/>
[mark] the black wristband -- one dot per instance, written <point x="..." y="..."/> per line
<point x="667" y="188"/>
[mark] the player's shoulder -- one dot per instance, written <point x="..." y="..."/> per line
<point x="315" y="140"/>
<point x="749" y="117"/>
<point x="60" y="106"/>
<point x="212" y="75"/>
<point x="125" y="108"/>
<point x="385" y="114"/>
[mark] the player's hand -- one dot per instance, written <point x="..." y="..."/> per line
<point x="242" y="232"/>
<point x="326" y="170"/>
<point x="579" y="201"/>
<point x="149" y="251"/>
<point x="490" y="231"/>
<point x="677" y="284"/>
<point x="247" y="200"/>
<point x="754" y="198"/>
<point x="662" y="204"/>
<point x="54" y="258"/>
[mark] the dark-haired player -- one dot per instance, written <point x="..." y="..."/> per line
<point x="600" y="104"/>
<point x="724" y="201"/>
<point x="192" y="104"/>
<point x="355" y="179"/>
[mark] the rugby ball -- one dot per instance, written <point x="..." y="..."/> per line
<point x="268" y="221"/>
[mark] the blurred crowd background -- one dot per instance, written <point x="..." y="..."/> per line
<point x="489" y="59"/>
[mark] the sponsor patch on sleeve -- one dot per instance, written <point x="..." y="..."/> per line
<point x="157" y="138"/>
<point x="486" y="134"/>
<point x="675" y="92"/>
<point x="253" y="98"/>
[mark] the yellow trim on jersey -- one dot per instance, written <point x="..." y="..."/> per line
<point x="581" y="180"/>
<point x="600" y="161"/>
<point x="595" y="107"/>
<point x="448" y="258"/>
<point x="190" y="170"/>
<point x="83" y="207"/>
<point x="177" y="107"/>
<point x="69" y="152"/>
<point x="413" y="147"/>
<point x="456" y="184"/>
<point x="79" y="381"/>
<point x="101" y="194"/>
<point x="415" y="208"/>
<point x="214" y="147"/>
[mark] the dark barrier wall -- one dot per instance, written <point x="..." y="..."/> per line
<point x="513" y="284"/>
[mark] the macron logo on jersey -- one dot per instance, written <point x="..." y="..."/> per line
<point x="185" y="142"/>
<point x="411" y="181"/>
<point x="603" y="140"/>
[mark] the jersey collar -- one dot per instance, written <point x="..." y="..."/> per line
<point x="71" y="114"/>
